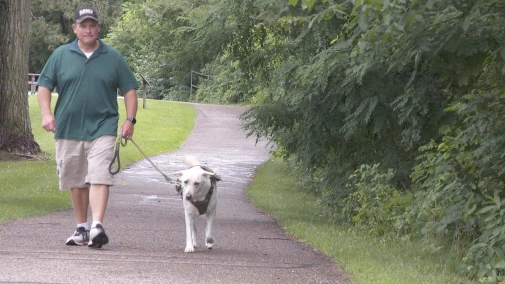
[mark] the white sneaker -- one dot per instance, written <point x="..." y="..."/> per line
<point x="79" y="238"/>
<point x="97" y="237"/>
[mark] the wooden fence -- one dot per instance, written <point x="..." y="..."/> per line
<point x="32" y="82"/>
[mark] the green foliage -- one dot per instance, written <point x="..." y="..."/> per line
<point x="165" y="41"/>
<point x="51" y="25"/>
<point x="229" y="86"/>
<point x="375" y="85"/>
<point x="487" y="252"/>
<point x="374" y="204"/>
<point x="461" y="179"/>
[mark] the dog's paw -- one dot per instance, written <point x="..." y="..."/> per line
<point x="209" y="242"/>
<point x="189" y="249"/>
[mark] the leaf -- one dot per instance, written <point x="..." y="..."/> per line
<point x="471" y="210"/>
<point x="363" y="22"/>
<point x="430" y="3"/>
<point x="490" y="217"/>
<point x="487" y="208"/>
<point x="387" y="19"/>
<point x="313" y="21"/>
<point x="500" y="265"/>
<point x="293" y="2"/>
<point x="492" y="224"/>
<point x="328" y="14"/>
<point x="466" y="23"/>
<point x="358" y="4"/>
<point x="478" y="246"/>
<point x="447" y="155"/>
<point x="308" y="3"/>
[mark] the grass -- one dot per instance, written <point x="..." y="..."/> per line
<point x="366" y="258"/>
<point x="30" y="188"/>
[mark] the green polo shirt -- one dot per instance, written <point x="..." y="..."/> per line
<point x="87" y="90"/>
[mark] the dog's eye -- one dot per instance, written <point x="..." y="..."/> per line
<point x="185" y="182"/>
<point x="197" y="183"/>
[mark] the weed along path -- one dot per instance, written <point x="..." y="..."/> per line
<point x="145" y="224"/>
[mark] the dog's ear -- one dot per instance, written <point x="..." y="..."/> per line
<point x="207" y="174"/>
<point x="179" y="173"/>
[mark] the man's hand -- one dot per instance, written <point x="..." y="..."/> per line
<point x="48" y="122"/>
<point x="44" y="97"/>
<point x="127" y="130"/>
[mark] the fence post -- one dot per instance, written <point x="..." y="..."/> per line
<point x="145" y="83"/>
<point x="32" y="89"/>
<point x="191" y="85"/>
<point x="194" y="86"/>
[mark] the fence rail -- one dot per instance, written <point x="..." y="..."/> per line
<point x="32" y="82"/>
<point x="192" y="84"/>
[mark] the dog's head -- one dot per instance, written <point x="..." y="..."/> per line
<point x="195" y="182"/>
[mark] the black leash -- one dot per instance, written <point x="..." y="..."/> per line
<point x="116" y="156"/>
<point x="119" y="142"/>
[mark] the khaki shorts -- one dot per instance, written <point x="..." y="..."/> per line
<point x="82" y="163"/>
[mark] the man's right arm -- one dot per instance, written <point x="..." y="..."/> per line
<point x="48" y="121"/>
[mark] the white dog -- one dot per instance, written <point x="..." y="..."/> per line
<point x="198" y="186"/>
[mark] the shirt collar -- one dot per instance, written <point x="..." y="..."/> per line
<point x="101" y="46"/>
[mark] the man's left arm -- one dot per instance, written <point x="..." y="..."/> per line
<point x="131" y="104"/>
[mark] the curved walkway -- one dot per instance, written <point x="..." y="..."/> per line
<point x="145" y="223"/>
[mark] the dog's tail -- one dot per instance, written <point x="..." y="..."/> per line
<point x="190" y="161"/>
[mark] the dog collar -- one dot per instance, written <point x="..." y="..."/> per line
<point x="202" y="205"/>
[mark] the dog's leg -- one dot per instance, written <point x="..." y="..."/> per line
<point x="194" y="232"/>
<point x="209" y="239"/>
<point x="190" y="232"/>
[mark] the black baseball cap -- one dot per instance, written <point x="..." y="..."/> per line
<point x="85" y="13"/>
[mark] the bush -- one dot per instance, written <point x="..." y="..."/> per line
<point x="374" y="203"/>
<point x="178" y="93"/>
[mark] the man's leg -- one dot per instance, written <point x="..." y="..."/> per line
<point x="80" y="202"/>
<point x="98" y="198"/>
<point x="100" y="155"/>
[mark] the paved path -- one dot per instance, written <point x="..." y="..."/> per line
<point x="145" y="224"/>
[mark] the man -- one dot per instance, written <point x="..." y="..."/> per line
<point x="87" y="74"/>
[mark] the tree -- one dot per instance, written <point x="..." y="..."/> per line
<point x="16" y="136"/>
<point x="51" y="25"/>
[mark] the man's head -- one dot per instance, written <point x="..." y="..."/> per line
<point x="85" y="13"/>
<point x="86" y="26"/>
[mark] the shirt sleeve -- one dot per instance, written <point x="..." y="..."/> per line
<point x="47" y="77"/>
<point x="127" y="80"/>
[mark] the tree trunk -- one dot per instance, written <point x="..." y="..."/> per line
<point x="16" y="136"/>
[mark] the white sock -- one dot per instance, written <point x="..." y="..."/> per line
<point x="85" y="225"/>
<point x="95" y="223"/>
